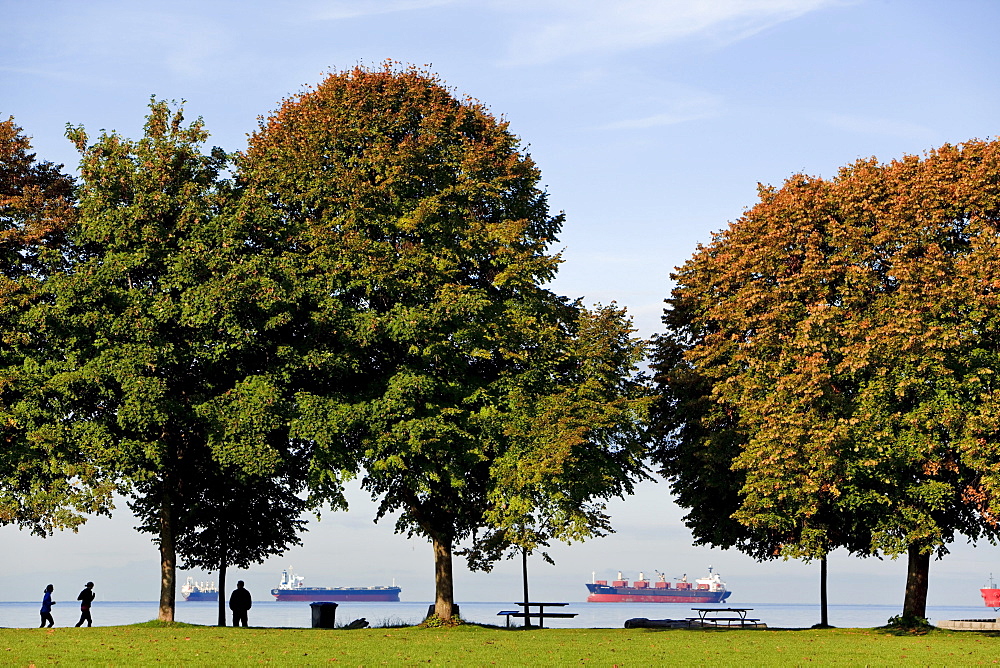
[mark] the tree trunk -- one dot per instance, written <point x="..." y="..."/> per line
<point x="524" y="575"/>
<point x="918" y="565"/>
<point x="168" y="559"/>
<point x="222" y="593"/>
<point x="824" y="619"/>
<point x="444" y="582"/>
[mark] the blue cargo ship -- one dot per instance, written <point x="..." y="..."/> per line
<point x="199" y="591"/>
<point x="291" y="588"/>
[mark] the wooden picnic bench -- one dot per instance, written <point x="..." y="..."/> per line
<point x="541" y="615"/>
<point x="729" y="621"/>
<point x="710" y="617"/>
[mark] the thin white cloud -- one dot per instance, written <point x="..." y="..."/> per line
<point x="56" y="72"/>
<point x="90" y="43"/>
<point x="876" y="126"/>
<point x="659" y="120"/>
<point x="664" y="103"/>
<point x="335" y="10"/>
<point x="194" y="52"/>
<point x="563" y="28"/>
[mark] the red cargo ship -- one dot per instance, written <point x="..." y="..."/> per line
<point x="991" y="595"/>
<point x="709" y="589"/>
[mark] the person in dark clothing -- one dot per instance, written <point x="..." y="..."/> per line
<point x="239" y="603"/>
<point x="47" y="604"/>
<point x="86" y="597"/>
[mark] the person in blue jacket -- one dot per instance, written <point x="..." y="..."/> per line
<point x="47" y="604"/>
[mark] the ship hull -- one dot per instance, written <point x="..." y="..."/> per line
<point x="389" y="594"/>
<point x="991" y="597"/>
<point x="609" y="594"/>
<point x="202" y="596"/>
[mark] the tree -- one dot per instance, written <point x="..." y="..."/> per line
<point x="233" y="519"/>
<point x="586" y="418"/>
<point x="43" y="485"/>
<point x="416" y="224"/>
<point x="832" y="353"/>
<point x="168" y="349"/>
<point x="582" y="417"/>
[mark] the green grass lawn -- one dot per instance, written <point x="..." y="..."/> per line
<point x="184" y="645"/>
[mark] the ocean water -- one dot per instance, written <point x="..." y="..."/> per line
<point x="296" y="614"/>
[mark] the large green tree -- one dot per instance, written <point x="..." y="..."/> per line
<point x="169" y="348"/>
<point x="829" y="365"/>
<point x="44" y="483"/>
<point x="415" y="222"/>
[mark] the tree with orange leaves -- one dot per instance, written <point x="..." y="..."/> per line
<point x="829" y="370"/>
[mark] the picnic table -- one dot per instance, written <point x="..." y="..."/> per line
<point x="710" y="617"/>
<point x="528" y="615"/>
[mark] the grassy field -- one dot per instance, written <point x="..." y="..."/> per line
<point x="184" y="645"/>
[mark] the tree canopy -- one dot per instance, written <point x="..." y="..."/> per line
<point x="365" y="296"/>
<point x="415" y="223"/>
<point x="44" y="483"/>
<point x="167" y="363"/>
<point x="830" y="358"/>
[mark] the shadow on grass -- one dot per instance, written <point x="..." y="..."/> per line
<point x="932" y="630"/>
<point x="396" y="623"/>
<point x="159" y="624"/>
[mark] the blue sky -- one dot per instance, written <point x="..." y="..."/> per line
<point x="652" y="122"/>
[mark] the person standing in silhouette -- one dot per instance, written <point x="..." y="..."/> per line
<point x="86" y="597"/>
<point x="47" y="604"/>
<point x="239" y="603"/>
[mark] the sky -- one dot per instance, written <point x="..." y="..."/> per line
<point x="652" y="122"/>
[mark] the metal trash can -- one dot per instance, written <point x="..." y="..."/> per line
<point x="324" y="614"/>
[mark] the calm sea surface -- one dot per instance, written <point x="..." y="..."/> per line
<point x="590" y="615"/>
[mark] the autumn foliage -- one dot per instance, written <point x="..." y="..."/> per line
<point x="36" y="198"/>
<point x="830" y="365"/>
